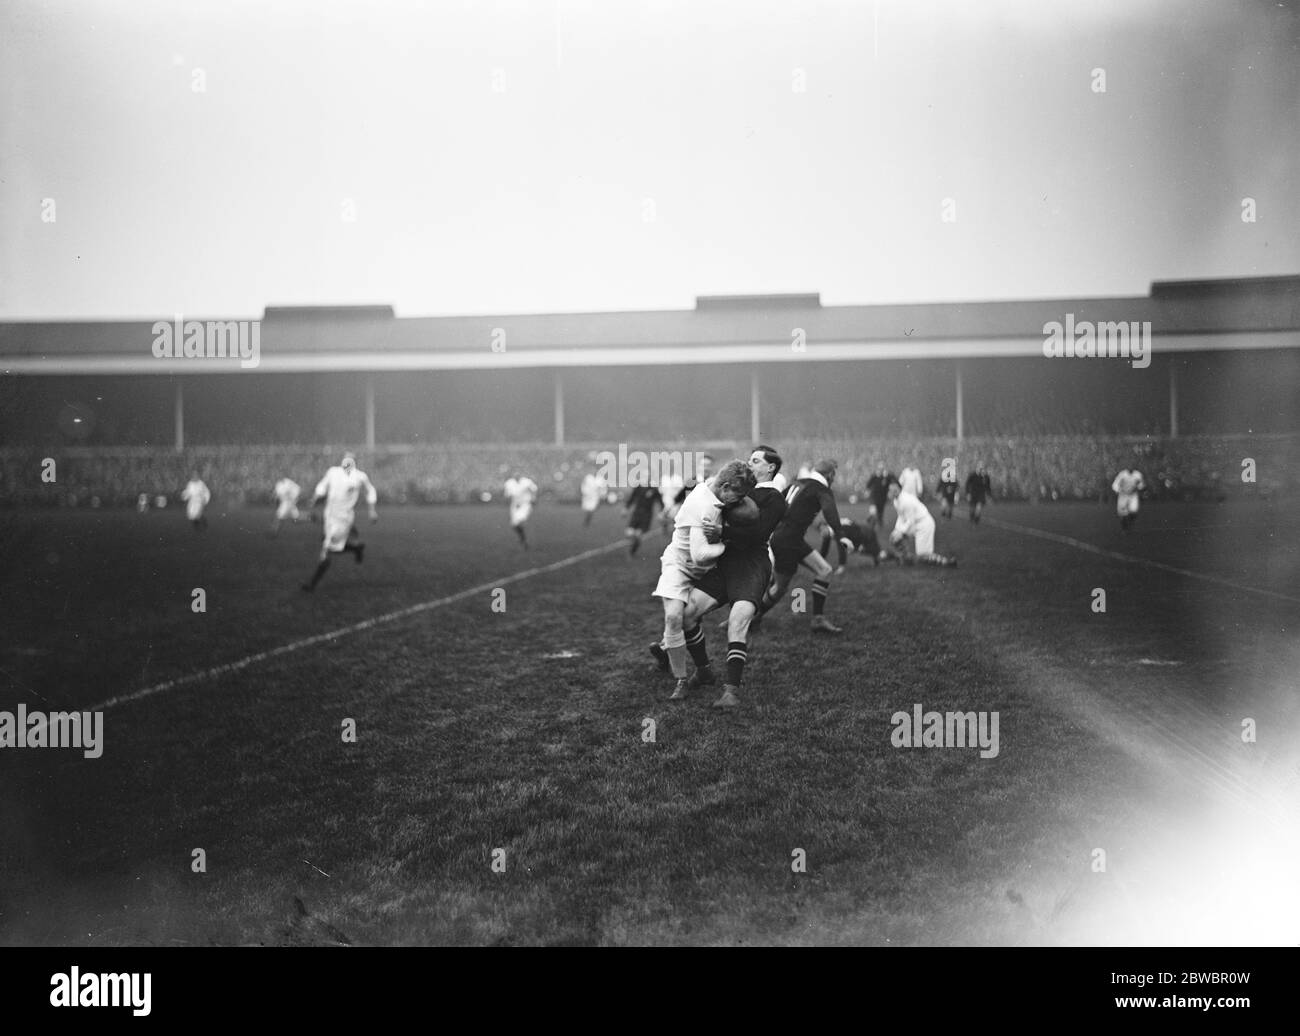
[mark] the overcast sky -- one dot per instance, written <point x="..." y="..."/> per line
<point x="608" y="155"/>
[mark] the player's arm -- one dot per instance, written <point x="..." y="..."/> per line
<point x="829" y="511"/>
<point x="372" y="498"/>
<point x="770" y="513"/>
<point x="702" y="551"/>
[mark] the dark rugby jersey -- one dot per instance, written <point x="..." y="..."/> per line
<point x="771" y="509"/>
<point x="978" y="487"/>
<point x="878" y="488"/>
<point x="803" y="500"/>
<point x="642" y="500"/>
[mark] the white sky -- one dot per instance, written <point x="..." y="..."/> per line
<point x="534" y="199"/>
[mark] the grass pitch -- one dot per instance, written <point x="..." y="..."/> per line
<point x="523" y="730"/>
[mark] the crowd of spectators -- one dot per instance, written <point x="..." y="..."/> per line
<point x="1042" y="468"/>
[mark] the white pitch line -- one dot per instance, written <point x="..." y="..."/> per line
<point x="378" y="620"/>
<point x="1130" y="559"/>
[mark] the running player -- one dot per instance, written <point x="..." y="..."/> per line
<point x="196" y="497"/>
<point x="947" y="489"/>
<point x="1126" y="487"/>
<point x="979" y="490"/>
<point x="339" y="490"/>
<point x="805" y="500"/>
<point x="640" y="509"/>
<point x="521" y="491"/>
<point x="694" y="549"/>
<point x="916" y="522"/>
<point x="593" y="490"/>
<point x="287" y="492"/>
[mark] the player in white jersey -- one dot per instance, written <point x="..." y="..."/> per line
<point x="693" y="550"/>
<point x="287" y="492"/>
<point x="339" y="490"/>
<point x="521" y="491"/>
<point x="909" y="480"/>
<point x="915" y="521"/>
<point x="1126" y="487"/>
<point x="196" y="497"/>
<point x="594" y="488"/>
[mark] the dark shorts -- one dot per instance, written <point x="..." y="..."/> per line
<point x="743" y="576"/>
<point x="788" y="553"/>
<point x="639" y="520"/>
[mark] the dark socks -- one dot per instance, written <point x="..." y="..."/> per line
<point x="820" y="589"/>
<point x="320" y="571"/>
<point x="697" y="647"/>
<point x="736" y="658"/>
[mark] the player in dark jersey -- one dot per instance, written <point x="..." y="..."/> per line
<point x="640" y="508"/>
<point x="979" y="490"/>
<point x="804" y="500"/>
<point x="878" y="489"/>
<point x="947" y="490"/>
<point x="741" y="577"/>
<point x="861" y="539"/>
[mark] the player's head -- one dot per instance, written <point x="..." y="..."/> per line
<point x="894" y="490"/>
<point x="826" y="469"/>
<point x="348" y="463"/>
<point x="733" y="482"/>
<point x="703" y="467"/>
<point x="880" y="467"/>
<point x="764" y="462"/>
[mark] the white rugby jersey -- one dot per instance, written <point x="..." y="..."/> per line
<point x="1128" y="482"/>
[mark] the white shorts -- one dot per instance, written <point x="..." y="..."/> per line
<point x="925" y="538"/>
<point x="519" y="513"/>
<point x="1127" y="503"/>
<point x="194" y="510"/>
<point x="675" y="583"/>
<point x="590" y="505"/>
<point x="287" y="509"/>
<point x="337" y="528"/>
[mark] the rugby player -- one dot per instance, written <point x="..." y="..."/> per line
<point x="196" y="497"/>
<point x="740" y="578"/>
<point x="1126" y="487"/>
<point x="593" y="489"/>
<point x="878" y="489"/>
<point x="947" y="490"/>
<point x="806" y="499"/>
<point x="521" y="491"/>
<point x="915" y="521"/>
<point x="339" y="490"/>
<point x="287" y="492"/>
<point x="693" y="550"/>
<point x="639" y="509"/>
<point x="979" y="490"/>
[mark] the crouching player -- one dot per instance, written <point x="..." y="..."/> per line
<point x="860" y="539"/>
<point x="915" y="521"/>
<point x="693" y="550"/>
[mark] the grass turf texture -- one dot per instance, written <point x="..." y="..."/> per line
<point x="470" y="738"/>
